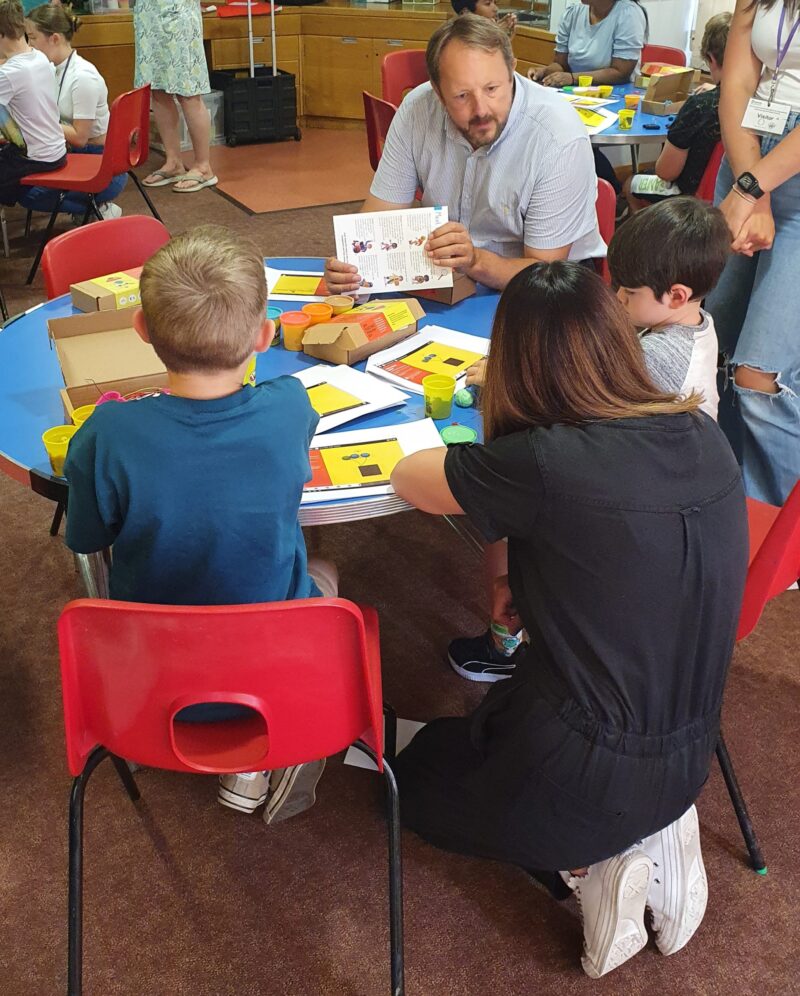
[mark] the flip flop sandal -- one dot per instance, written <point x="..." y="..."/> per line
<point x="166" y="178"/>
<point x="200" y="182"/>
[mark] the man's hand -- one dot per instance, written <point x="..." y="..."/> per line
<point x="341" y="278"/>
<point x="450" y="245"/>
<point x="558" y="79"/>
<point x="537" y="75"/>
<point x="476" y="374"/>
<point x="503" y="610"/>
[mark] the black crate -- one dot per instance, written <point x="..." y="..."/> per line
<point x="261" y="109"/>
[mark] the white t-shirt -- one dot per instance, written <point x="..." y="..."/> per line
<point x="764" y="42"/>
<point x="26" y="89"/>
<point x="683" y="358"/>
<point x="82" y="94"/>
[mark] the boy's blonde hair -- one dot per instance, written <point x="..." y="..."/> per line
<point x="12" y="19"/>
<point x="715" y="37"/>
<point x="203" y="297"/>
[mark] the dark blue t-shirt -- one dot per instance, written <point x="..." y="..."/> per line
<point x="198" y="498"/>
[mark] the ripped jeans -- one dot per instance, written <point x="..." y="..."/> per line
<point x="756" y="311"/>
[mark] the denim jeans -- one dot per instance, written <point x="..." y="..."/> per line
<point x="45" y="199"/>
<point x="756" y="310"/>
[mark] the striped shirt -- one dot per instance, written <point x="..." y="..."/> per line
<point x="534" y="186"/>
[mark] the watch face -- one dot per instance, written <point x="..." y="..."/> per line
<point x="747" y="182"/>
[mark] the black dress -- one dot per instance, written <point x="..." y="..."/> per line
<point x="627" y="559"/>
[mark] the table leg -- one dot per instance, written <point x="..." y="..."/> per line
<point x="635" y="158"/>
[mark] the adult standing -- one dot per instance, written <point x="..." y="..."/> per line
<point x="82" y="98"/>
<point x="602" y="39"/>
<point x="756" y="303"/>
<point x="627" y="547"/>
<point x="511" y="161"/>
<point x="171" y="58"/>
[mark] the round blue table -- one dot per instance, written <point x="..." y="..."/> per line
<point x="646" y="127"/>
<point x="30" y="380"/>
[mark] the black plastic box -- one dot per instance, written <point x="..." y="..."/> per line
<point x="261" y="109"/>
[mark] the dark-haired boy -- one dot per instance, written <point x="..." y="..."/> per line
<point x="664" y="261"/>
<point x="487" y="8"/>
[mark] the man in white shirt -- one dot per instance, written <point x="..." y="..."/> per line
<point x="510" y="159"/>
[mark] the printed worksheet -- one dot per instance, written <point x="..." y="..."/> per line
<point x="359" y="463"/>
<point x="340" y="394"/>
<point x="386" y="246"/>
<point x="300" y="286"/>
<point x="434" y="350"/>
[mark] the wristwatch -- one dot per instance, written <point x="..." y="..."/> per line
<point x="748" y="184"/>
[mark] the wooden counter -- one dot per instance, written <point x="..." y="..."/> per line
<point x="334" y="49"/>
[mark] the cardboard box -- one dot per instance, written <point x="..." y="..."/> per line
<point x="357" y="334"/>
<point x="664" y="92"/>
<point x="463" y="287"/>
<point x="102" y="352"/>
<point x="108" y="293"/>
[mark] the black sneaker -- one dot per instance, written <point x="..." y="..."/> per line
<point x="476" y="658"/>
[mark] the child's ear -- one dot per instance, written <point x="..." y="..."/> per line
<point x="140" y="325"/>
<point x="679" y="295"/>
<point x="265" y="336"/>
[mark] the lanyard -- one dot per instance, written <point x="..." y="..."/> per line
<point x="781" y="50"/>
<point x="64" y="74"/>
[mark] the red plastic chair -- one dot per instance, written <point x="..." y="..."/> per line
<point x="709" y="179"/>
<point x="606" y="207"/>
<point x="127" y="145"/>
<point x="84" y="253"/>
<point x="378" y="115"/>
<point x="127" y="669"/>
<point x="663" y="53"/>
<point x="402" y="71"/>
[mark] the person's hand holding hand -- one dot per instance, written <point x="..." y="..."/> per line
<point x="536" y="74"/>
<point x="341" y="278"/>
<point x="758" y="231"/>
<point x="476" y="374"/>
<point x="450" y="245"/>
<point x="503" y="609"/>
<point x="558" y="79"/>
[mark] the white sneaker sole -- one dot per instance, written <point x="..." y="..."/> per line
<point x="622" y="933"/>
<point x="478" y="675"/>
<point x="675" y="928"/>
<point x="241" y="803"/>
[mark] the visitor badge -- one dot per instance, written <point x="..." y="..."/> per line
<point x="765" y="118"/>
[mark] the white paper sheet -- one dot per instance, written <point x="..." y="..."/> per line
<point x="406" y="729"/>
<point x="341" y="394"/>
<point x="386" y="246"/>
<point x="358" y="463"/>
<point x="433" y="350"/>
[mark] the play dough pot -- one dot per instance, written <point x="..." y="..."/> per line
<point x="318" y="313"/>
<point x="56" y="441"/>
<point x="605" y="91"/>
<point x="294" y="324"/>
<point x="274" y="313"/>
<point x="625" y="119"/>
<point x="632" y="100"/>
<point x="79" y="415"/>
<point x="584" y="81"/>
<point x="340" y="303"/>
<point x="438" y="390"/>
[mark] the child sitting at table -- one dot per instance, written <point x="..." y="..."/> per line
<point x="487" y="8"/>
<point x="664" y="261"/>
<point x="198" y="488"/>
<point x="693" y="134"/>
<point x="28" y="111"/>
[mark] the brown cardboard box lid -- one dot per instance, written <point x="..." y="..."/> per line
<point x="326" y="334"/>
<point x="670" y="87"/>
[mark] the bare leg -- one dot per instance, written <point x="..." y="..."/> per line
<point x="198" y="122"/>
<point x="166" y="114"/>
<point x="496" y="566"/>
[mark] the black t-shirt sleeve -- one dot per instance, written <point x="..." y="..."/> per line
<point x="498" y="485"/>
<point x="697" y="118"/>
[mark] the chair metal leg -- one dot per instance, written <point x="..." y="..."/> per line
<point x="58" y="515"/>
<point x="4" y="228"/>
<point x="75" y="900"/>
<point x="745" y="824"/>
<point x="144" y="194"/>
<point x="389" y="733"/>
<point x="46" y="237"/>
<point x="395" y="873"/>
<point x="3" y="308"/>
<point x="28" y="220"/>
<point x="126" y="776"/>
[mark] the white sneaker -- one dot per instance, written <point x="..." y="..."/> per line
<point x="679" y="891"/>
<point x="612" y="899"/>
<point x="292" y="790"/>
<point x="110" y="210"/>
<point x="244" y="792"/>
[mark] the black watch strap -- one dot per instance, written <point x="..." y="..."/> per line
<point x="748" y="184"/>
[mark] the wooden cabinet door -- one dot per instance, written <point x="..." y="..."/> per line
<point x="336" y="70"/>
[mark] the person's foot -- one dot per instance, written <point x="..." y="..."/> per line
<point x="612" y="898"/>
<point x="292" y="790"/>
<point x="244" y="792"/>
<point x="164" y="176"/>
<point x="110" y="210"/>
<point x="195" y="180"/>
<point x="679" y="891"/>
<point x="476" y="658"/>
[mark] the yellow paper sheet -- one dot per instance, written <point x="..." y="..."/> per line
<point x="349" y="465"/>
<point x="301" y="286"/>
<point x="437" y="358"/>
<point x="328" y="400"/>
<point x="590" y="118"/>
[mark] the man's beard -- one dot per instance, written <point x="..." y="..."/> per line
<point x="479" y="139"/>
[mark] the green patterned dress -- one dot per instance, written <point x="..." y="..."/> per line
<point x="169" y="46"/>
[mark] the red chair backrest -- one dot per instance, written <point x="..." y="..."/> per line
<point x="663" y="53"/>
<point x="308" y="669"/>
<point x="402" y="71"/>
<point x="606" y="206"/>
<point x="378" y="115"/>
<point x="94" y="250"/>
<point x="776" y="563"/>
<point x="709" y="179"/>
<point x="128" y="137"/>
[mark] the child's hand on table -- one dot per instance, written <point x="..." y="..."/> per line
<point x="476" y="374"/>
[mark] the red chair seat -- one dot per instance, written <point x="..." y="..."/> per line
<point x="80" y="173"/>
<point x="760" y="517"/>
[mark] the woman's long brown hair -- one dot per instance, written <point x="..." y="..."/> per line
<point x="565" y="351"/>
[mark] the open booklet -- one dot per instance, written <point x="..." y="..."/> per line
<point x="358" y="463"/>
<point x="340" y="394"/>
<point x="386" y="246"/>
<point x="434" y="350"/>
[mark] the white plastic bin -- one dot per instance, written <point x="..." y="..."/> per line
<point x="214" y="101"/>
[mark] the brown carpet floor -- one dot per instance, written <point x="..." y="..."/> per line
<point x="184" y="897"/>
